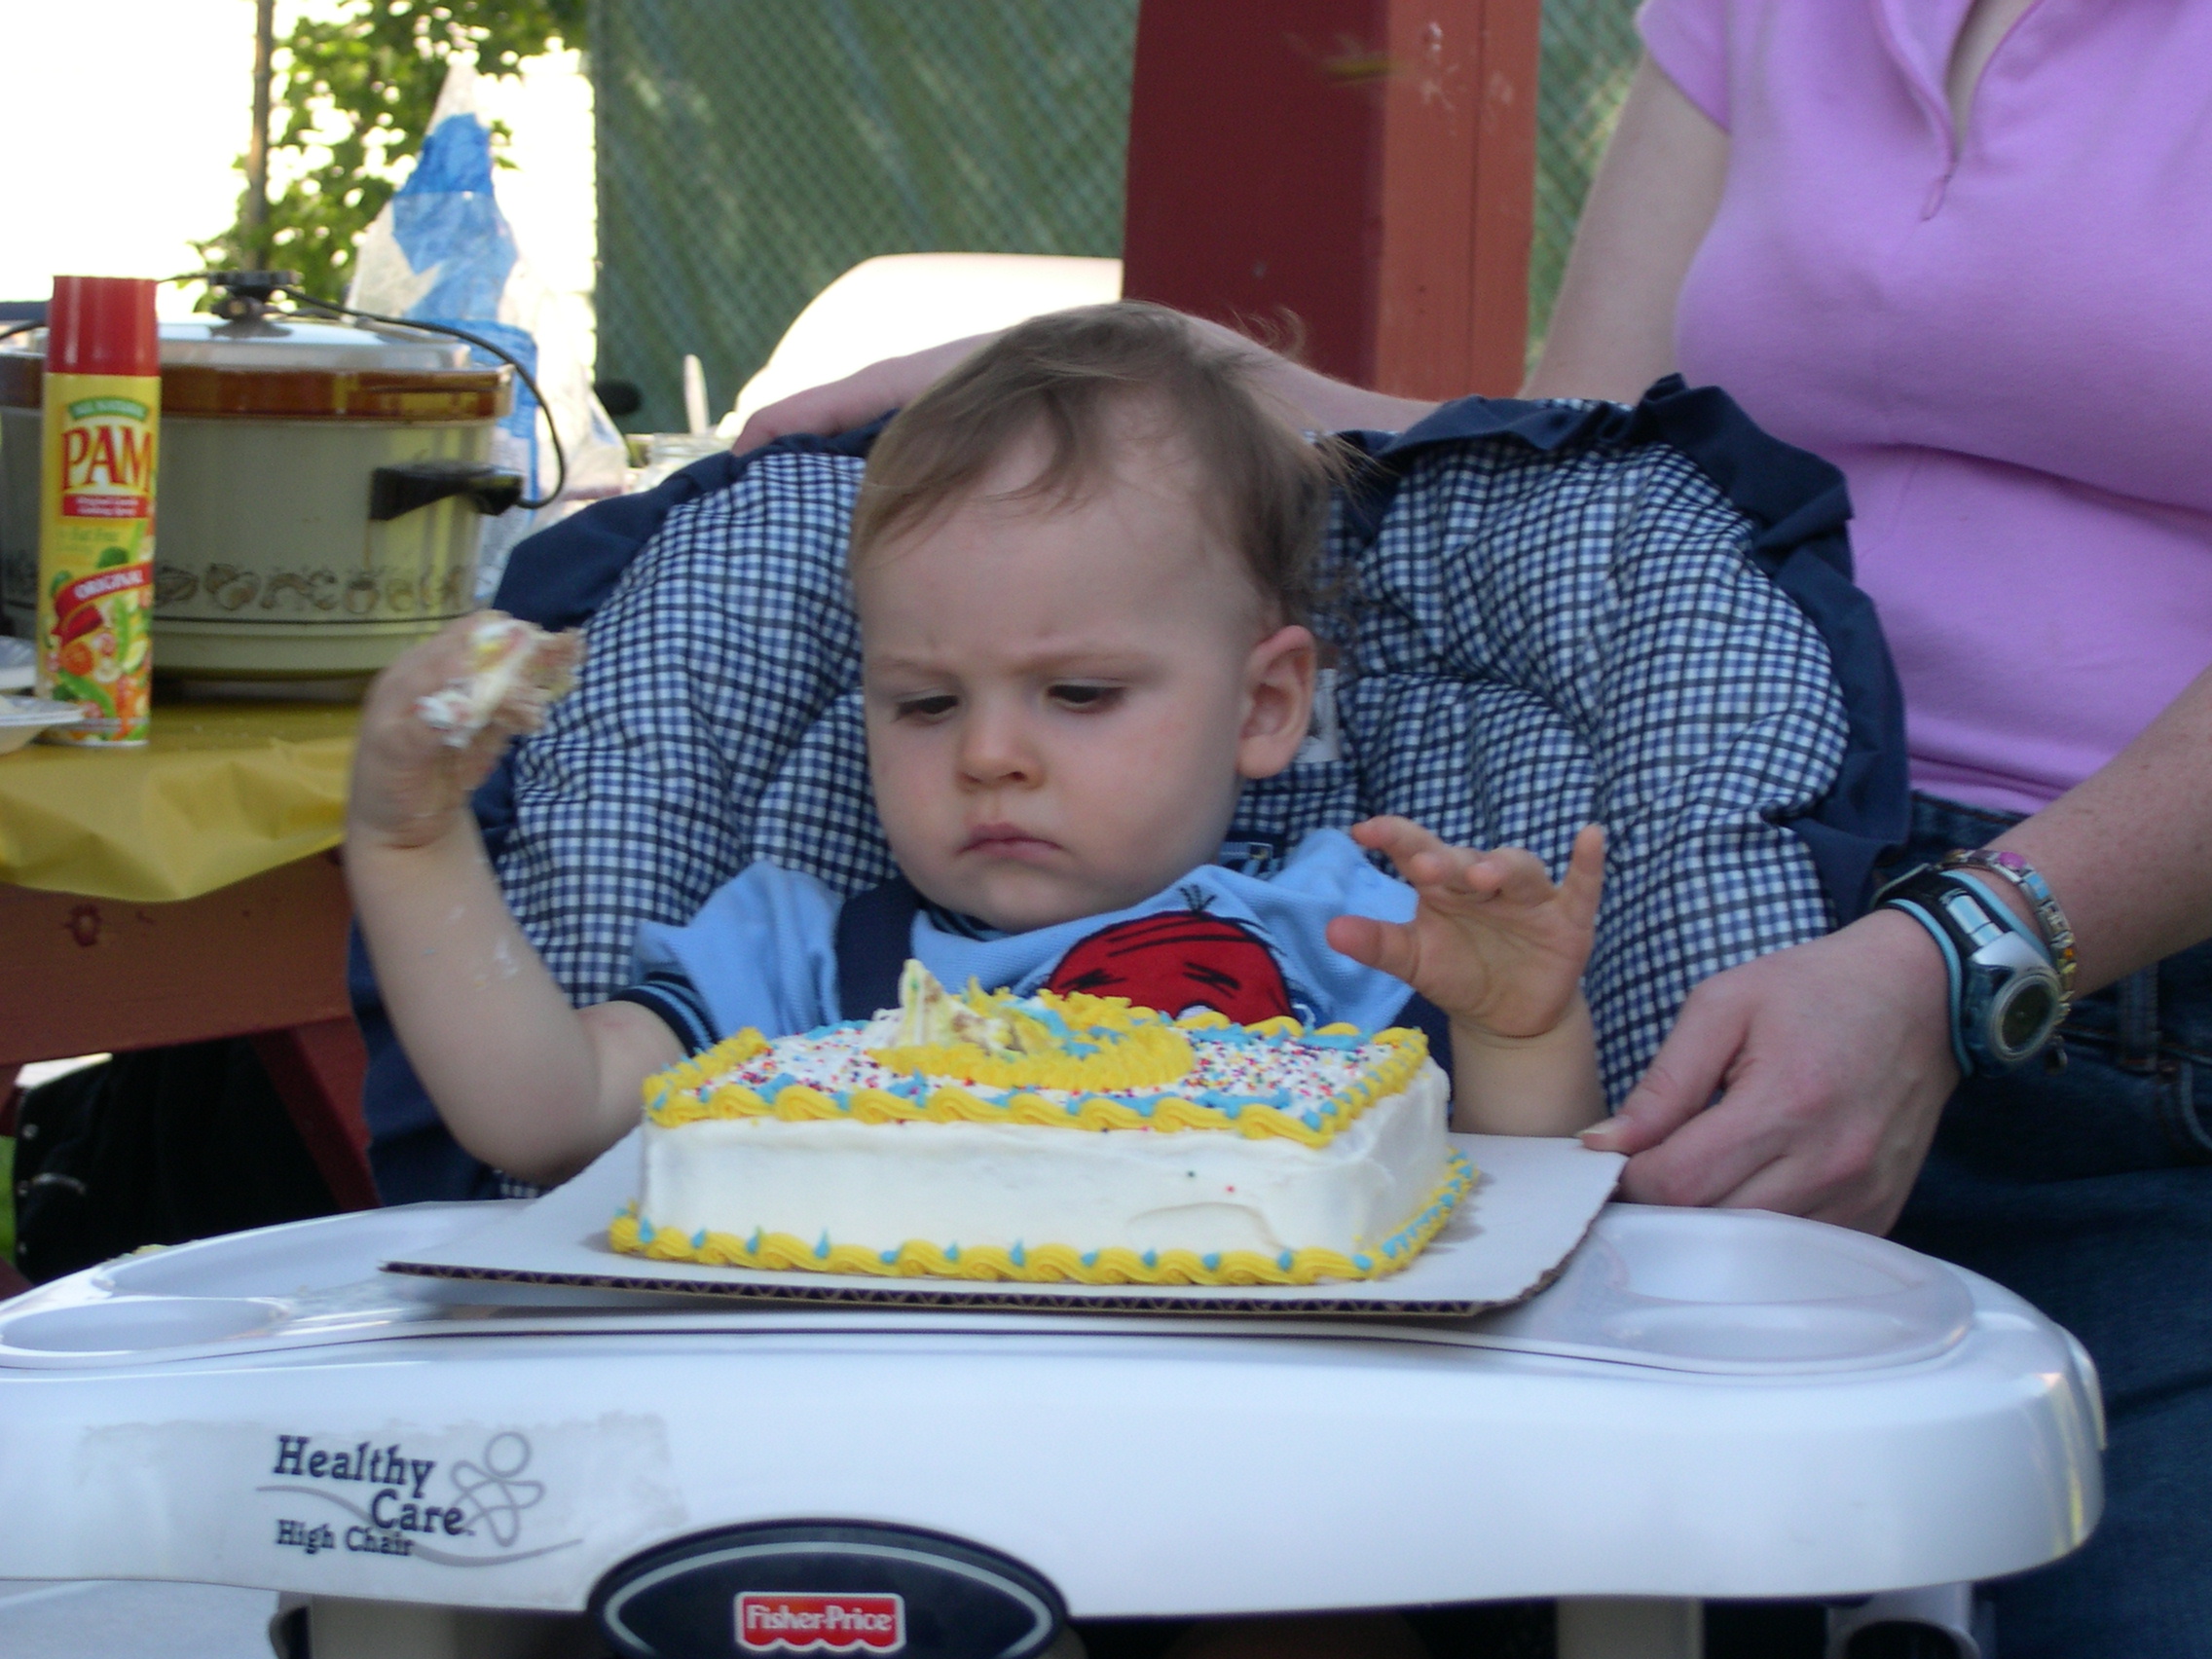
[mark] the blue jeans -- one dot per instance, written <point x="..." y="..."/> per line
<point x="2090" y="1193"/>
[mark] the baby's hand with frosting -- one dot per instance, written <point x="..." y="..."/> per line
<point x="514" y="671"/>
<point x="435" y="721"/>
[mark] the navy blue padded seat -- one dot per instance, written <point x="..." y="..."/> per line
<point x="1554" y="613"/>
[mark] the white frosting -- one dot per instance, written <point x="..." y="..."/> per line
<point x="510" y="661"/>
<point x="882" y="1184"/>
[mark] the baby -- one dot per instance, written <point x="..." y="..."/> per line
<point x="1083" y="564"/>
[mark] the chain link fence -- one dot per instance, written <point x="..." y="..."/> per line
<point x="1590" y="52"/>
<point x="750" y="151"/>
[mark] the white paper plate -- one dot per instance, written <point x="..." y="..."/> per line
<point x="22" y="719"/>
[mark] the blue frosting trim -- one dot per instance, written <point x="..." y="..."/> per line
<point x="1452" y="1190"/>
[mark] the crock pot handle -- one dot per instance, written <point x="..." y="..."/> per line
<point x="397" y="490"/>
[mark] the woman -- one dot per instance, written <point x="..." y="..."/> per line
<point x="1959" y="247"/>
<point x="1954" y="248"/>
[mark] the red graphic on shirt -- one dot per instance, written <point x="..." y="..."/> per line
<point x="1179" y="960"/>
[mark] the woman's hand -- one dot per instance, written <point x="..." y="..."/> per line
<point x="860" y="397"/>
<point x="1318" y="401"/>
<point x="1831" y="1061"/>
<point x="410" y="787"/>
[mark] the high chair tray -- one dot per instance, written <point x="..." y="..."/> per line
<point x="1702" y="1403"/>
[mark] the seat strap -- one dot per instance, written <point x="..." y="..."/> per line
<point x="875" y="932"/>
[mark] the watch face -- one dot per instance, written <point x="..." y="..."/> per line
<point x="2026" y="1016"/>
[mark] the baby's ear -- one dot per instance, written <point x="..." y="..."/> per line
<point x="1279" y="701"/>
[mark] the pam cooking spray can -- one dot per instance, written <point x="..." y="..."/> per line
<point x="95" y="527"/>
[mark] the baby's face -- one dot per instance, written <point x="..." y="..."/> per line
<point x="1062" y="700"/>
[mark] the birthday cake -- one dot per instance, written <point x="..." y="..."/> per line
<point x="1050" y="1138"/>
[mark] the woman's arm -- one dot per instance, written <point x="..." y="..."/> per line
<point x="1613" y="329"/>
<point x="1833" y="1061"/>
<point x="1323" y="404"/>
<point x="2128" y="852"/>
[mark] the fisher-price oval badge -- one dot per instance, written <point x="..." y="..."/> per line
<point x="846" y="1588"/>
<point x="769" y="1621"/>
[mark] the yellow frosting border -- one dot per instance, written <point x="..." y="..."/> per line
<point x="1049" y="1264"/>
<point x="680" y="1095"/>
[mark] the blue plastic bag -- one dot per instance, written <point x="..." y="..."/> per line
<point x="441" y="251"/>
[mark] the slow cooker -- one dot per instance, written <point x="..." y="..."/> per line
<point x="320" y="494"/>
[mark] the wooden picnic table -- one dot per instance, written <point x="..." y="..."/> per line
<point x="188" y="891"/>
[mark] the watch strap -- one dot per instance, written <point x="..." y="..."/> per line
<point x="1926" y="894"/>
<point x="2057" y="932"/>
<point x="1917" y="893"/>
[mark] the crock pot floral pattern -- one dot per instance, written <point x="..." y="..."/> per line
<point x="219" y="590"/>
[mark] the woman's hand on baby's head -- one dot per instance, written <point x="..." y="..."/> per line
<point x="840" y="405"/>
<point x="411" y="786"/>
<point x="1494" y="943"/>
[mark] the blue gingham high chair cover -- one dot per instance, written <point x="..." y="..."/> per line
<point x="1556" y="613"/>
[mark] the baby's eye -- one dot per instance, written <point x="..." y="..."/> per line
<point x="934" y="707"/>
<point x="1085" y="698"/>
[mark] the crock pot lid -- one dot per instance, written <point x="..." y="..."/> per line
<point x="297" y="344"/>
<point x="294" y="344"/>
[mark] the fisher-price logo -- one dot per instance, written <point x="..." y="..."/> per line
<point x="769" y="1619"/>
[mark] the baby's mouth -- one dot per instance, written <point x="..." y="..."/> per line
<point x="1007" y="841"/>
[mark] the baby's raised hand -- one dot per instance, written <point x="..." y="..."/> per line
<point x="1494" y="943"/>
<point x="413" y="775"/>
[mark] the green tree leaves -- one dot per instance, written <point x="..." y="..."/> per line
<point x="354" y="95"/>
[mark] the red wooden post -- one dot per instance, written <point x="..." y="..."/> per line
<point x="317" y="1071"/>
<point x="1366" y="167"/>
<point x="1459" y="197"/>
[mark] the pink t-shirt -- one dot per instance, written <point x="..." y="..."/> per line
<point x="2005" y="344"/>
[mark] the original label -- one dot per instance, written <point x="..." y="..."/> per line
<point x="799" y="1622"/>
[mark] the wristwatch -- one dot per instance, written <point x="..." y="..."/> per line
<point x="2007" y="997"/>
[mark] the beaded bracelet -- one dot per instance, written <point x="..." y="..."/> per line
<point x="2050" y="920"/>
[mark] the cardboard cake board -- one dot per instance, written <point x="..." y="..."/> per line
<point x="1532" y="1202"/>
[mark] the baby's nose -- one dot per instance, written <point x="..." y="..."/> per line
<point x="996" y="748"/>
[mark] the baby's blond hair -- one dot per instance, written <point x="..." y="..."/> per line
<point x="1073" y="376"/>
